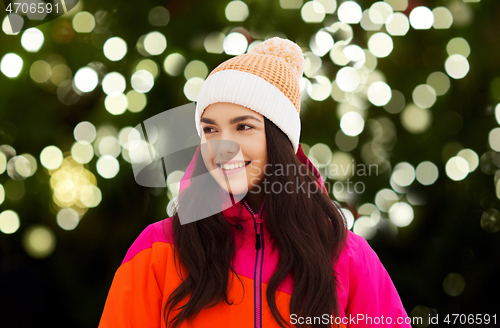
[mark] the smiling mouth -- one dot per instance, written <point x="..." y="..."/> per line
<point x="229" y="167"/>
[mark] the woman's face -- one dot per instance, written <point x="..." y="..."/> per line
<point x="236" y="149"/>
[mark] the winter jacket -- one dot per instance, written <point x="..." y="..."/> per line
<point x="147" y="276"/>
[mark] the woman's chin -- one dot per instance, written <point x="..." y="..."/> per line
<point x="235" y="189"/>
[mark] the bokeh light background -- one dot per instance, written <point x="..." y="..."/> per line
<point x="408" y="88"/>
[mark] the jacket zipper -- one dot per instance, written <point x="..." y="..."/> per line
<point x="259" y="260"/>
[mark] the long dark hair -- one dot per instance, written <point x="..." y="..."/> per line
<point x="308" y="229"/>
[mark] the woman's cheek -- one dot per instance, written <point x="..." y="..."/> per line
<point x="257" y="168"/>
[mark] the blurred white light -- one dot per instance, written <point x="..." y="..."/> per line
<point x="115" y="48"/>
<point x="159" y="16"/>
<point x="192" y="88"/>
<point x="174" y="64"/>
<point x="83" y="22"/>
<point x="401" y="214"/>
<point x="116" y="104"/>
<point x="385" y="198"/>
<point x="51" y="157"/>
<point x="136" y="101"/>
<point x="86" y="79"/>
<point x="11" y="64"/>
<point x="213" y="42"/>
<point x="235" y="44"/>
<point x="9" y="222"/>
<point x="67" y="218"/>
<point x="427" y="173"/>
<point x="497" y="113"/>
<point x="142" y="81"/>
<point x="149" y="65"/>
<point x="379" y="93"/>
<point x="109" y="145"/>
<point x="113" y="84"/>
<point x="84" y="132"/>
<point x="329" y="5"/>
<point x="356" y="54"/>
<point x="471" y="157"/>
<point x="82" y="153"/>
<point x="32" y="39"/>
<point x="107" y="166"/>
<point x="367" y="24"/>
<point x="403" y="174"/>
<point x="379" y="12"/>
<point x="39" y="241"/>
<point x="398" y="5"/>
<point x="313" y="12"/>
<point x="424" y="96"/>
<point x="415" y="119"/>
<point x="380" y="44"/>
<point x="397" y="24"/>
<point x="195" y="68"/>
<point x="494" y="139"/>
<point x="291" y="4"/>
<point x="322" y="42"/>
<point x="457" y="168"/>
<point x="364" y="227"/>
<point x="236" y="11"/>
<point x="372" y="211"/>
<point x="443" y="19"/>
<point x="172" y="207"/>
<point x="349" y="217"/>
<point x="370" y="61"/>
<point x="421" y="18"/>
<point x="320" y="89"/>
<point x="456" y="66"/>
<point x="440" y="82"/>
<point x="348" y="79"/>
<point x="173" y="180"/>
<point x="12" y="19"/>
<point x="337" y="54"/>
<point x="312" y="63"/>
<point x="458" y="46"/>
<point x="352" y="123"/>
<point x="349" y="12"/>
<point x="155" y="43"/>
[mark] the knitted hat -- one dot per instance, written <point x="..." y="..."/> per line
<point x="265" y="80"/>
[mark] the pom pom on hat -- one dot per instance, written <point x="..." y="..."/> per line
<point x="285" y="49"/>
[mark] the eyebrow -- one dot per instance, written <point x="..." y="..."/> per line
<point x="233" y="120"/>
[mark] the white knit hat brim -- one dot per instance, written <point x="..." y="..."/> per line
<point x="248" y="90"/>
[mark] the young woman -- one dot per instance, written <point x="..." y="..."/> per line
<point x="256" y="240"/>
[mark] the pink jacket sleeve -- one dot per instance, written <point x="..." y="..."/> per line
<point x="372" y="297"/>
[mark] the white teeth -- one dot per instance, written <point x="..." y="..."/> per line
<point x="232" y="166"/>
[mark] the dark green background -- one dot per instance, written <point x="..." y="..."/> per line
<point x="69" y="288"/>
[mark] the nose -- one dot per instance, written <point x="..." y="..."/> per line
<point x="225" y="149"/>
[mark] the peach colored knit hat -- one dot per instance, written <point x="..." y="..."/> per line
<point x="265" y="80"/>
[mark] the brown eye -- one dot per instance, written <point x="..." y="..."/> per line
<point x="243" y="125"/>
<point x="207" y="130"/>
